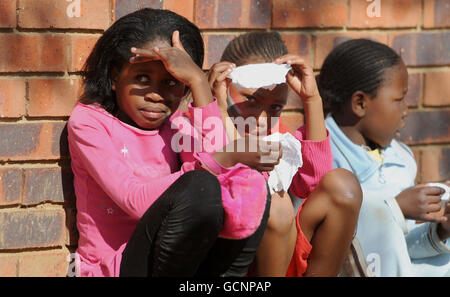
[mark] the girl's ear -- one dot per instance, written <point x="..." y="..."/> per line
<point x="359" y="103"/>
<point x="114" y="78"/>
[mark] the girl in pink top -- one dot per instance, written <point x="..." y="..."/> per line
<point x="316" y="240"/>
<point x="145" y="208"/>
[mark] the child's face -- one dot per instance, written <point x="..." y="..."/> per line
<point x="386" y="112"/>
<point x="263" y="104"/>
<point x="146" y="93"/>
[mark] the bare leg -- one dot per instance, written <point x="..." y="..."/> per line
<point x="328" y="220"/>
<point x="277" y="245"/>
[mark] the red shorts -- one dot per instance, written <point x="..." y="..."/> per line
<point x="299" y="261"/>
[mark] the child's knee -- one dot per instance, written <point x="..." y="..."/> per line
<point x="282" y="215"/>
<point x="343" y="188"/>
<point x="203" y="197"/>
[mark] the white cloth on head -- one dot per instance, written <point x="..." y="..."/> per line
<point x="281" y="176"/>
<point x="255" y="76"/>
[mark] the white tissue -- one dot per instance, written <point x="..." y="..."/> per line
<point x="255" y="76"/>
<point x="445" y="196"/>
<point x="281" y="176"/>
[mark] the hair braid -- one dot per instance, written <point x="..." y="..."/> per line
<point x="355" y="65"/>
<point x="265" y="45"/>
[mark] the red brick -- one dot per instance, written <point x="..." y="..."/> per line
<point x="232" y="14"/>
<point x="31" y="228"/>
<point x="436" y="14"/>
<point x="324" y="43"/>
<point x="309" y="13"/>
<point x="123" y="7"/>
<point x="422" y="49"/>
<point x="10" y="185"/>
<point x="43" y="264"/>
<point x="435" y="129"/>
<point x="8" y="14"/>
<point x="437" y="89"/>
<point x="435" y="164"/>
<point x="52" y="97"/>
<point x="417" y="153"/>
<point x="8" y="265"/>
<point x="393" y="14"/>
<point x="33" y="141"/>
<point x="299" y="44"/>
<point x="63" y="14"/>
<point x="33" y="52"/>
<point x="52" y="184"/>
<point x="181" y="7"/>
<point x="413" y="97"/>
<point x="12" y="98"/>
<point x="80" y="48"/>
<point x="215" y="44"/>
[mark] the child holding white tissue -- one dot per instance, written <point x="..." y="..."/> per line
<point x="315" y="241"/>
<point x="365" y="84"/>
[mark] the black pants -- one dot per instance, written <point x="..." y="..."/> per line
<point x="178" y="235"/>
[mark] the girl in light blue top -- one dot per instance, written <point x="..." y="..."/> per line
<point x="364" y="83"/>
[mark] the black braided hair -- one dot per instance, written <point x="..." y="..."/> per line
<point x="355" y="65"/>
<point x="261" y="44"/>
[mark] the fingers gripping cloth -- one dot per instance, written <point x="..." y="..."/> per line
<point x="445" y="196"/>
<point x="281" y="176"/>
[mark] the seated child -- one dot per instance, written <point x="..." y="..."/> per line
<point x="315" y="241"/>
<point x="364" y="83"/>
<point x="143" y="207"/>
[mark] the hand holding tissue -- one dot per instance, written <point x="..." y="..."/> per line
<point x="445" y="196"/>
<point x="281" y="176"/>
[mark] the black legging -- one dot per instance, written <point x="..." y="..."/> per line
<point x="178" y="234"/>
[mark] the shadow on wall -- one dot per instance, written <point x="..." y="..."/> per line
<point x="68" y="193"/>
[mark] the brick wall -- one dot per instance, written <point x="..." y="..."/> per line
<point x="43" y="45"/>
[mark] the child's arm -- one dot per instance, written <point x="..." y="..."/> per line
<point x="316" y="149"/>
<point x="432" y="237"/>
<point x="301" y="79"/>
<point x="317" y="161"/>
<point x="219" y="84"/>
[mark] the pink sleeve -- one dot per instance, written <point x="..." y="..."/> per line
<point x="208" y="121"/>
<point x="244" y="195"/>
<point x="91" y="146"/>
<point x="317" y="161"/>
<point x="199" y="130"/>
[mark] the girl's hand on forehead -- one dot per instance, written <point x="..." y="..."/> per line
<point x="301" y="78"/>
<point x="175" y="59"/>
<point x="219" y="82"/>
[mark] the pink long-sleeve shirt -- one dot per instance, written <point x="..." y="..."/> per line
<point x="120" y="170"/>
